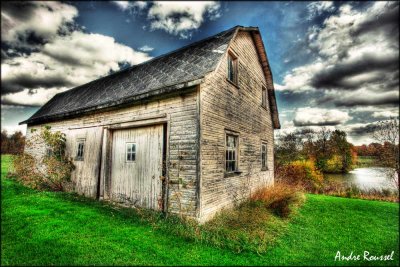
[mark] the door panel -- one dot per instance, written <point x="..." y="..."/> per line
<point x="137" y="182"/>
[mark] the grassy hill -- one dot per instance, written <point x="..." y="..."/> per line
<point x="47" y="228"/>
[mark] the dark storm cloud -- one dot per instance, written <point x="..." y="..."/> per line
<point x="301" y="123"/>
<point x="21" y="10"/>
<point x="364" y="129"/>
<point x="337" y="76"/>
<point x="389" y="100"/>
<point x="387" y="21"/>
<point x="26" y="81"/>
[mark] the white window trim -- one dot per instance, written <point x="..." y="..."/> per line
<point x="236" y="135"/>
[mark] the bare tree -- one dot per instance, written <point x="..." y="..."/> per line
<point x="387" y="133"/>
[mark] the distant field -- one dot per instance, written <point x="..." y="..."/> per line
<point x="47" y="228"/>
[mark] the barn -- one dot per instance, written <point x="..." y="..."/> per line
<point x="188" y="132"/>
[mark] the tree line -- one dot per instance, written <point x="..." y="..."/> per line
<point x="328" y="150"/>
<point x="12" y="144"/>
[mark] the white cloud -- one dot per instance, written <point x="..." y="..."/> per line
<point x="317" y="8"/>
<point x="67" y="61"/>
<point x="36" y="97"/>
<point x="356" y="57"/>
<point x="14" y="128"/>
<point x="146" y="48"/>
<point x="179" y="17"/>
<point x="385" y="114"/>
<point x="319" y="117"/>
<point x="43" y="19"/>
<point x="126" y="5"/>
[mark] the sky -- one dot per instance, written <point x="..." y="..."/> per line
<point x="334" y="64"/>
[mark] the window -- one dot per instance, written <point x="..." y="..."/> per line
<point x="232" y="68"/>
<point x="80" y="149"/>
<point x="231" y="155"/>
<point x="264" y="97"/>
<point x="264" y="156"/>
<point x="130" y="152"/>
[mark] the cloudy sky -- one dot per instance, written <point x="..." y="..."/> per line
<point x="335" y="64"/>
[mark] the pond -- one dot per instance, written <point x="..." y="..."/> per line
<point x="365" y="178"/>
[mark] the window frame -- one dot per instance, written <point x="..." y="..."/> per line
<point x="131" y="152"/>
<point x="231" y="56"/>
<point x="236" y="150"/>
<point x="264" y="98"/>
<point x="78" y="143"/>
<point x="264" y="159"/>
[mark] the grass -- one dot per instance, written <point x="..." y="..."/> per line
<point x="48" y="228"/>
<point x="366" y="161"/>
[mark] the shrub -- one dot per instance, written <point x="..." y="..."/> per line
<point x="25" y="171"/>
<point x="51" y="171"/>
<point x="280" y="198"/>
<point x="301" y="173"/>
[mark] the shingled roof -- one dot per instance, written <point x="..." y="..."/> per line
<point x="173" y="71"/>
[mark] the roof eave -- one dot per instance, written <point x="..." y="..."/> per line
<point x="115" y="104"/>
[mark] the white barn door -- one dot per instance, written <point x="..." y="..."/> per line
<point x="136" y="168"/>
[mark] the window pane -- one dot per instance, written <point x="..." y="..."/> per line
<point x="133" y="147"/>
<point x="128" y="157"/>
<point x="233" y="155"/>
<point x="129" y="148"/>
<point x="133" y="156"/>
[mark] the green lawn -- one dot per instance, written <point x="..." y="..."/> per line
<point x="46" y="228"/>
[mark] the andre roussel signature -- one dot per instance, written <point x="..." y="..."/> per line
<point x="365" y="256"/>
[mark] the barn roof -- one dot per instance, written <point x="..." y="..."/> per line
<point x="170" y="72"/>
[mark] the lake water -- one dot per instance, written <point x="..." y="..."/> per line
<point x="365" y="178"/>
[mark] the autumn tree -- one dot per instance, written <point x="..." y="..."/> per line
<point x="387" y="133"/>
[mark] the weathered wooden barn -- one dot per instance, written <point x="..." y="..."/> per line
<point x="187" y="132"/>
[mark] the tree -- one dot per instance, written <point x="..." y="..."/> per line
<point x="387" y="133"/>
<point x="287" y="148"/>
<point x="338" y="145"/>
<point x="13" y="144"/>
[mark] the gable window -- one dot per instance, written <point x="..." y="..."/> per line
<point x="80" y="149"/>
<point x="264" y="97"/>
<point x="264" y="156"/>
<point x="232" y="68"/>
<point x="130" y="152"/>
<point x="231" y="153"/>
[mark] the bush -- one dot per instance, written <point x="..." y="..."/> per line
<point x="301" y="173"/>
<point x="25" y="170"/>
<point x="52" y="171"/>
<point x="255" y="224"/>
<point x="281" y="198"/>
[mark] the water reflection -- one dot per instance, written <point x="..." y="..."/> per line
<point x="365" y="178"/>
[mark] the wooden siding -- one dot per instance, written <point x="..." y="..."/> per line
<point x="182" y="135"/>
<point x="224" y="106"/>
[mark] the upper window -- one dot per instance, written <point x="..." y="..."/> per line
<point x="264" y="156"/>
<point x="231" y="155"/>
<point x="264" y="97"/>
<point x="130" y="152"/>
<point x="80" y="149"/>
<point x="232" y="68"/>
